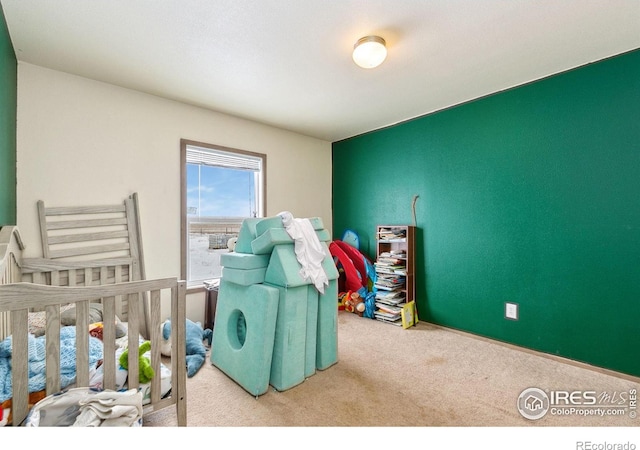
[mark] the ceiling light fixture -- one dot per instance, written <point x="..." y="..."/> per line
<point x="369" y="52"/>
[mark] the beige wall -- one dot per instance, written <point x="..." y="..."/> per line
<point x="82" y="142"/>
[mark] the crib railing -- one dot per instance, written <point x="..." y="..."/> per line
<point x="82" y="273"/>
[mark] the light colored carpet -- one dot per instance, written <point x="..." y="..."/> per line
<point x="425" y="376"/>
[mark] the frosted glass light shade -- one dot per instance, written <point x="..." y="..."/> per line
<point x="369" y="52"/>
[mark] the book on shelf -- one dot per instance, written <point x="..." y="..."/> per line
<point x="392" y="234"/>
<point x="388" y="268"/>
<point x="393" y="300"/>
<point x="390" y="277"/>
<point x="388" y="309"/>
<point x="389" y="261"/>
<point x="398" y="297"/>
<point x="390" y="283"/>
<point x="382" y="271"/>
<point x="383" y="318"/>
<point x="394" y="294"/>
<point x="393" y="254"/>
<point x="397" y="303"/>
<point x="386" y="315"/>
<point x="388" y="272"/>
<point x="387" y="288"/>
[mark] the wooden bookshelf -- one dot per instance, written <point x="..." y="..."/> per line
<point x="395" y="266"/>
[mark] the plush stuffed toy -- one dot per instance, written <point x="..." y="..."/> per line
<point x="195" y="338"/>
<point x="144" y="365"/>
<point x="354" y="303"/>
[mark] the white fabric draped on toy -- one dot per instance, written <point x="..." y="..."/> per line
<point x="309" y="251"/>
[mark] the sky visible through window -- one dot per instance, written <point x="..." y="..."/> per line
<point x="220" y="192"/>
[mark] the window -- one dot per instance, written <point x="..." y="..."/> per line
<point x="220" y="188"/>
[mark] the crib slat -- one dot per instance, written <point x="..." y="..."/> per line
<point x="38" y="278"/>
<point x="133" y="334"/>
<point x="155" y="338"/>
<point x="88" y="223"/>
<point x="72" y="277"/>
<point x="82" y="343"/>
<point x="31" y="265"/>
<point x="108" y="339"/>
<point x="89" y="250"/>
<point x="82" y="237"/>
<point x="52" y="358"/>
<point x="19" y="363"/>
<point x="75" y="210"/>
<point x="117" y="275"/>
<point x="55" y="278"/>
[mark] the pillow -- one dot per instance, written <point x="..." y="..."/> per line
<point x="38" y="321"/>
<point x="68" y="317"/>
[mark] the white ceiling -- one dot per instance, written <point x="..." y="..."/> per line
<point x="288" y="63"/>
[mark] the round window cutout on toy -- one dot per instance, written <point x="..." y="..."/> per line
<point x="237" y="329"/>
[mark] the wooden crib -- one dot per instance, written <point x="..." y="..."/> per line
<point x="30" y="285"/>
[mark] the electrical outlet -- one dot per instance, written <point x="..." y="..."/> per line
<point x="511" y="311"/>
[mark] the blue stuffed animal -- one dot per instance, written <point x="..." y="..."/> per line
<point x="195" y="338"/>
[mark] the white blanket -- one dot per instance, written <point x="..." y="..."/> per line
<point x="85" y="407"/>
<point x="309" y="251"/>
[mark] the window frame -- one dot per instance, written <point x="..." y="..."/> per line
<point x="184" y="144"/>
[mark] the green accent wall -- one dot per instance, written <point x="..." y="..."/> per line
<point x="531" y="196"/>
<point x="8" y="108"/>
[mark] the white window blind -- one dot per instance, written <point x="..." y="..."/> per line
<point x="220" y="158"/>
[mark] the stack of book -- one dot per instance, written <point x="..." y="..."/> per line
<point x="388" y="313"/>
<point x="392" y="262"/>
<point x="392" y="298"/>
<point x="389" y="286"/>
<point x="389" y="282"/>
<point x="403" y="315"/>
<point x="391" y="271"/>
<point x="392" y="234"/>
